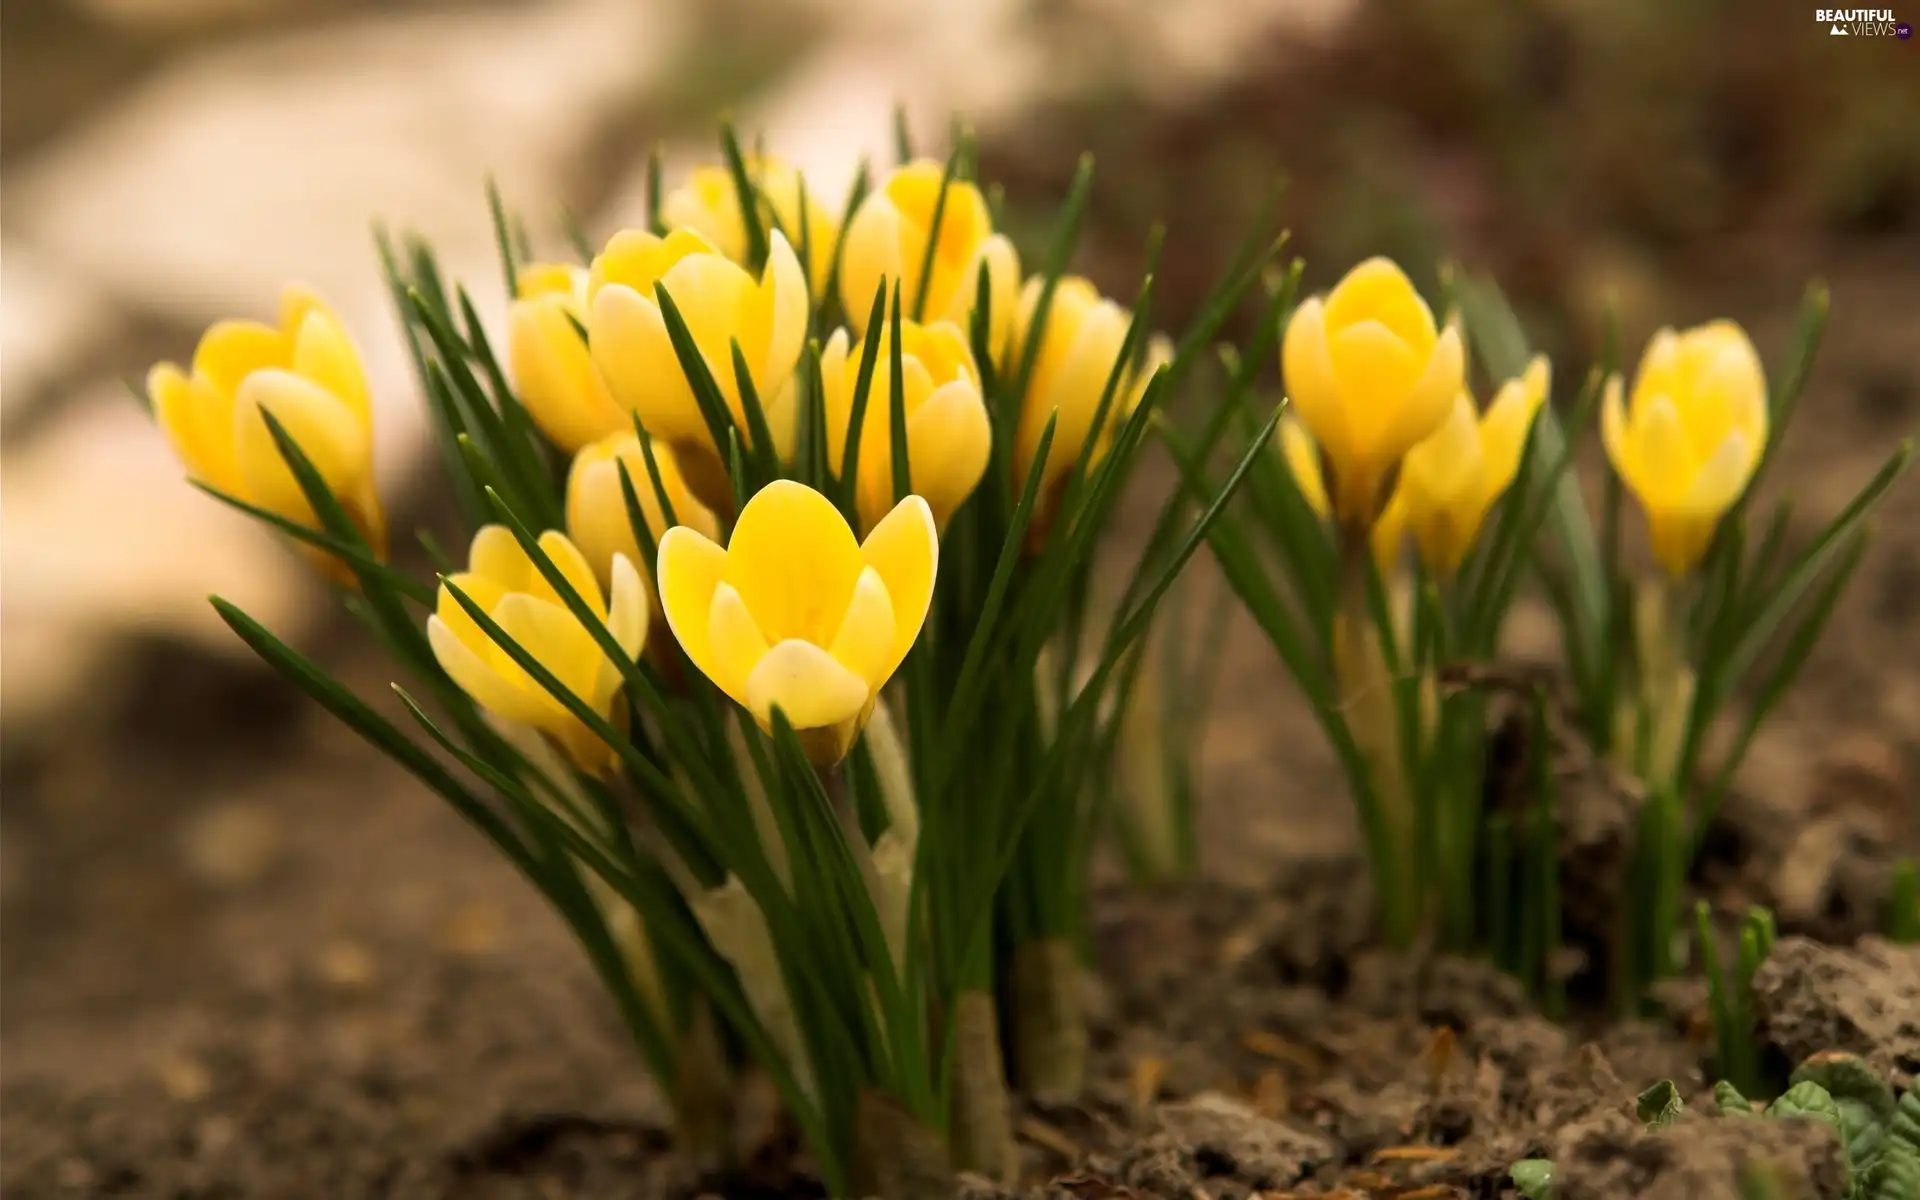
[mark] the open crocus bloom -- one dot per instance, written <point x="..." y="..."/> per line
<point x="796" y="614"/>
<point x="949" y="438"/>
<point x="305" y="372"/>
<point x="1690" y="437"/>
<point x="1371" y="377"/>
<point x="722" y="305"/>
<point x="506" y="584"/>
<point x="1449" y="482"/>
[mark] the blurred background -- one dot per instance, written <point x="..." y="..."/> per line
<point x="210" y="894"/>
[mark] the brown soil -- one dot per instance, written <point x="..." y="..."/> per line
<point x="244" y="958"/>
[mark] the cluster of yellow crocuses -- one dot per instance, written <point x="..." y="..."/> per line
<point x="1385" y="437"/>
<point x="794" y="612"/>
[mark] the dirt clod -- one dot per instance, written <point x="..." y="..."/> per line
<point x="1864" y="1000"/>
<point x="1696" y="1158"/>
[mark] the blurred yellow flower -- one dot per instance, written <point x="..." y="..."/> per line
<point x="1450" y="481"/>
<point x="307" y="374"/>
<point x="722" y="306"/>
<point x="597" y="506"/>
<point x="506" y="584"/>
<point x="1370" y="376"/>
<point x="553" y="373"/>
<point x="1688" y="440"/>
<point x="1302" y="456"/>
<point x="949" y="438"/>
<point x="887" y="239"/>
<point x="1082" y="341"/>
<point x="796" y="614"/>
<point x="709" y="204"/>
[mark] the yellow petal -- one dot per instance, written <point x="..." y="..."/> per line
<point x="805" y="682"/>
<point x="324" y="353"/>
<point x="554" y="374"/>
<point x="597" y="509"/>
<point x="869" y="255"/>
<point x="721" y="304"/>
<point x="794" y="561"/>
<point x="636" y="358"/>
<point x="904" y="549"/>
<point x="1001" y="262"/>
<point x="1723" y="477"/>
<point x="229" y="351"/>
<point x="865" y="641"/>
<point x="1306" y="361"/>
<point x="1443" y="378"/>
<point x="690" y="569"/>
<point x="1663" y="457"/>
<point x="949" y="441"/>
<point x="1445" y="466"/>
<point x="1614" y="434"/>
<point x="558" y="642"/>
<point x="198" y="422"/>
<point x="836" y="384"/>
<point x="573" y="566"/>
<point x="1378" y="290"/>
<point x="495" y="555"/>
<point x="333" y="439"/>
<point x="783" y="290"/>
<point x="738" y="644"/>
<point x="1302" y="457"/>
<point x="1376" y="372"/>
<point x="472" y="675"/>
<point x="1509" y="419"/>
<point x="482" y="591"/>
<point x="627" y="607"/>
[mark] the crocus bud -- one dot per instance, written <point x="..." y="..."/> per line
<point x="1370" y="377"/>
<point x="553" y="373"/>
<point x="305" y="372"/>
<point x="597" y="517"/>
<point x="709" y="203"/>
<point x="723" y="306"/>
<point x="795" y="614"/>
<point x="1688" y="440"/>
<point x="509" y="588"/>
<point x="1449" y="482"/>
<point x="887" y="241"/>
<point x="1079" y="349"/>
<point x="949" y="438"/>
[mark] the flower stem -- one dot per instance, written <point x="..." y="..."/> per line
<point x="1366" y="699"/>
<point x="1050" y="1037"/>
<point x="895" y="1155"/>
<point x="980" y="1114"/>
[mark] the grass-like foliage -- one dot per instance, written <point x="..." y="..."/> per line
<point x="775" y="663"/>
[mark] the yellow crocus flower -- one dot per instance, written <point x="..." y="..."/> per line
<point x="796" y="614"/>
<point x="1302" y="456"/>
<point x="553" y="373"/>
<point x="1450" y="481"/>
<point x="597" y="506"/>
<point x="1371" y="377"/>
<point x="1687" y="441"/>
<point x="307" y="373"/>
<point x="722" y="305"/>
<point x="710" y="204"/>
<point x="887" y="240"/>
<point x="505" y="583"/>
<point x="949" y="438"/>
<point x="1084" y="335"/>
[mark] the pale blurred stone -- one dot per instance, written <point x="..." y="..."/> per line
<point x="49" y="322"/>
<point x="185" y="1077"/>
<point x="472" y="930"/>
<point x="255" y="163"/>
<point x="104" y="536"/>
